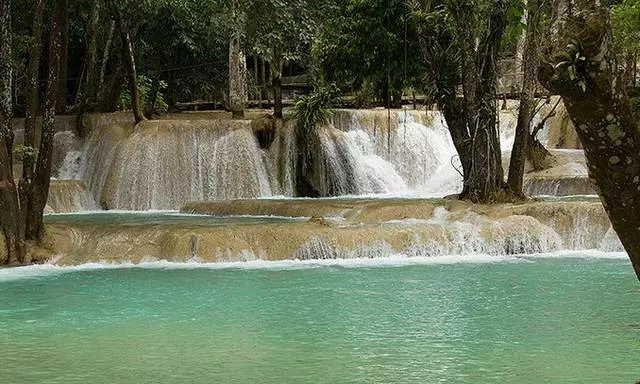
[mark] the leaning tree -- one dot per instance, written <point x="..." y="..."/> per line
<point x="581" y="67"/>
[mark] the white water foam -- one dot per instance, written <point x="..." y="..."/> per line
<point x="392" y="261"/>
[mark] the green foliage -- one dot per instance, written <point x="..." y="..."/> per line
<point x="152" y="96"/>
<point x="573" y="60"/>
<point x="441" y="51"/>
<point x="626" y="26"/>
<point x="314" y="109"/>
<point x="289" y="26"/>
<point x="185" y="43"/>
<point x="365" y="96"/>
<point x="24" y="151"/>
<point x="516" y="27"/>
<point x="370" y="43"/>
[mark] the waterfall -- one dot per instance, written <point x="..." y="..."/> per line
<point x="558" y="186"/>
<point x="166" y="163"/>
<point x="163" y="164"/>
<point x="70" y="196"/>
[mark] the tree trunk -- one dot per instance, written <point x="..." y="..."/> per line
<point x="113" y="82"/>
<point x="103" y="66"/>
<point x="9" y="205"/>
<point x="256" y="78"/>
<point x="276" y="81"/>
<point x="88" y="87"/>
<point x="42" y="177"/>
<point x="599" y="107"/>
<point x="527" y="101"/>
<point x="33" y="90"/>
<point x="453" y="112"/>
<point x="92" y="53"/>
<point x="62" y="19"/>
<point x="479" y="76"/>
<point x="237" y="77"/>
<point x="264" y="92"/>
<point x="629" y="73"/>
<point x="130" y="62"/>
<point x="114" y="87"/>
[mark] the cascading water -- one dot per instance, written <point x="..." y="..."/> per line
<point x="165" y="163"/>
<point x="362" y="229"/>
<point x="162" y="164"/>
<point x="70" y="196"/>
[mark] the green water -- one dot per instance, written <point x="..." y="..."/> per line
<point x="537" y="321"/>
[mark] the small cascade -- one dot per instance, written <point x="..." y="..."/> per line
<point x="70" y="196"/>
<point x="64" y="142"/>
<point x="500" y="231"/>
<point x="558" y="186"/>
<point x="95" y="161"/>
<point x="416" y="144"/>
<point x="611" y="242"/>
<point x="166" y="163"/>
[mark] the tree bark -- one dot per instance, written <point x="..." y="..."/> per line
<point x="453" y="112"/>
<point x="9" y="205"/>
<point x="62" y="19"/>
<point x="92" y="53"/>
<point x="42" y="177"/>
<point x="103" y="66"/>
<point x="599" y="107"/>
<point x="88" y="87"/>
<point x="256" y="78"/>
<point x="527" y="101"/>
<point x="264" y="92"/>
<point x="33" y="90"/>
<point x="113" y="82"/>
<point x="130" y="62"/>
<point x="276" y="81"/>
<point x="479" y="76"/>
<point x="237" y="77"/>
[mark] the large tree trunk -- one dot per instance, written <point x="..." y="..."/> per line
<point x="33" y="91"/>
<point x="42" y="178"/>
<point x="9" y="205"/>
<point x="479" y="76"/>
<point x="453" y="112"/>
<point x="62" y="19"/>
<point x="527" y="101"/>
<point x="596" y="102"/>
<point x="276" y="81"/>
<point x="237" y="77"/>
